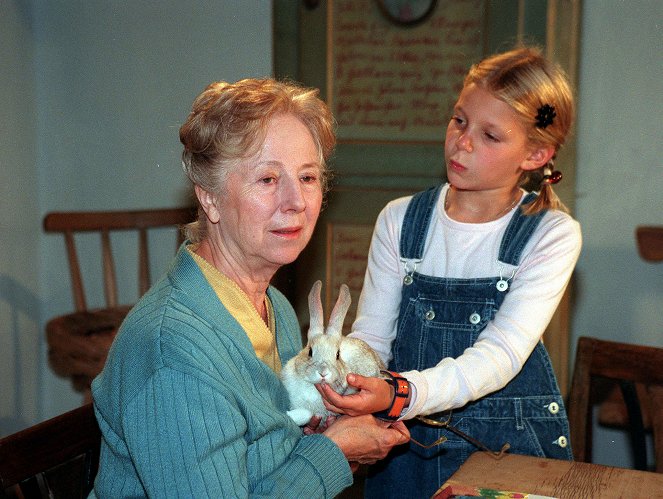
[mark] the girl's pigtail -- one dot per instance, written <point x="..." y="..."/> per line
<point x="547" y="199"/>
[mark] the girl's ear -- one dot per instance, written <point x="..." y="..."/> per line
<point x="209" y="203"/>
<point x="538" y="157"/>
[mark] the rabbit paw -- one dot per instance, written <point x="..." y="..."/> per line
<point x="300" y="416"/>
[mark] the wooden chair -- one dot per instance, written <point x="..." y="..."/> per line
<point x="54" y="459"/>
<point x="650" y="242"/>
<point x="613" y="411"/>
<point x="626" y="364"/>
<point x="79" y="341"/>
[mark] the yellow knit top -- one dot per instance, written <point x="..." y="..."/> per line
<point x="261" y="335"/>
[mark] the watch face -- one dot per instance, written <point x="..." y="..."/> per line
<point x="407" y="12"/>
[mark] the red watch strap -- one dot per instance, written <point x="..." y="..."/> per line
<point x="401" y="394"/>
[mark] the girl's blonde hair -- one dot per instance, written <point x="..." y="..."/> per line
<point x="528" y="82"/>
<point x="228" y="123"/>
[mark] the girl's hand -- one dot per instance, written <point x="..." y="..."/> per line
<point x="374" y="395"/>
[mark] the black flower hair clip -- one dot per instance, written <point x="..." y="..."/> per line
<point x="545" y="115"/>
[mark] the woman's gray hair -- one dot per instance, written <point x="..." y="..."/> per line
<point x="228" y="122"/>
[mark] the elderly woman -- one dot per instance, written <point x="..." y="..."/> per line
<point x="190" y="403"/>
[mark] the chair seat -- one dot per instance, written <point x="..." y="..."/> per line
<point x="78" y="343"/>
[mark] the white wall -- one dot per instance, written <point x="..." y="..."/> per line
<point x="92" y="94"/>
<point x="20" y="329"/>
<point x="620" y="180"/>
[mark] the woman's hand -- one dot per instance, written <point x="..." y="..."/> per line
<point x="365" y="439"/>
<point x="315" y="425"/>
<point x="374" y="395"/>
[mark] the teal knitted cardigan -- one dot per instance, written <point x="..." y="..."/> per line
<point x="186" y="409"/>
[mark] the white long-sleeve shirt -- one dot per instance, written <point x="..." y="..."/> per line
<point x="466" y="250"/>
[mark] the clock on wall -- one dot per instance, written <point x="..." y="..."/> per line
<point x="407" y="12"/>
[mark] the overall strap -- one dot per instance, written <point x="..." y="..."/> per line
<point x="416" y="222"/>
<point x="518" y="232"/>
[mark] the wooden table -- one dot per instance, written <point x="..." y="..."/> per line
<point x="554" y="478"/>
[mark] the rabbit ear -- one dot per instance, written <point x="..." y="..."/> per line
<point x="337" y="317"/>
<point x="316" y="325"/>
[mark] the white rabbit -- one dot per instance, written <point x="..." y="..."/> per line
<point x="328" y="356"/>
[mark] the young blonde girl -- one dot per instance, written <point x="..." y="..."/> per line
<point x="463" y="279"/>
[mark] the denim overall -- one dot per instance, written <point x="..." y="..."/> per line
<point x="441" y="317"/>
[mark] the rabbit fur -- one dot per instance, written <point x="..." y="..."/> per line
<point x="328" y="356"/>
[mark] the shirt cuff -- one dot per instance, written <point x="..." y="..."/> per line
<point x="419" y="394"/>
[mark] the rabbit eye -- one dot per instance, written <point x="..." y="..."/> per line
<point x="338" y="354"/>
<point x="310" y="352"/>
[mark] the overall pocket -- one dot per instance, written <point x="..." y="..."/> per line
<point x="431" y="329"/>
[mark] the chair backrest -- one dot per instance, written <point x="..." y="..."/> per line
<point x="105" y="222"/>
<point x="650" y="242"/>
<point x="626" y="364"/>
<point x="58" y="458"/>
